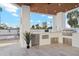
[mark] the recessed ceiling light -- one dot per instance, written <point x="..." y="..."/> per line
<point x="65" y="9"/>
<point x="54" y="10"/>
<point x="75" y="5"/>
<point x="59" y="4"/>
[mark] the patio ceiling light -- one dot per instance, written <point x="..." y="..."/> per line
<point x="65" y="9"/>
<point x="59" y="4"/>
<point x="75" y="5"/>
<point x="54" y="10"/>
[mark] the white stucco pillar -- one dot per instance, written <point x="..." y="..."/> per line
<point x="54" y="29"/>
<point x="25" y="23"/>
<point x="60" y="23"/>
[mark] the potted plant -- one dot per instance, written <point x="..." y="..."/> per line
<point x="27" y="38"/>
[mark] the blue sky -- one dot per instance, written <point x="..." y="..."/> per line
<point x="37" y="18"/>
<point x="11" y="16"/>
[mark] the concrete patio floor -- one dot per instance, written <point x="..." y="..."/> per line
<point x="48" y="50"/>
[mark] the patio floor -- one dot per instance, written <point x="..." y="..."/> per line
<point x="48" y="50"/>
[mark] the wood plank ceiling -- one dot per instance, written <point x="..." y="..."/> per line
<point x="50" y="8"/>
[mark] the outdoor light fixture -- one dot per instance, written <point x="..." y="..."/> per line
<point x="59" y="4"/>
<point x="54" y="10"/>
<point x="75" y="5"/>
<point x="65" y="9"/>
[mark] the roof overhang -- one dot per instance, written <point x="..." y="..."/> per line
<point x="50" y="8"/>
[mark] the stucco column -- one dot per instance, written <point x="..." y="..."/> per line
<point x="25" y="23"/>
<point x="54" y="29"/>
<point x="60" y="23"/>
